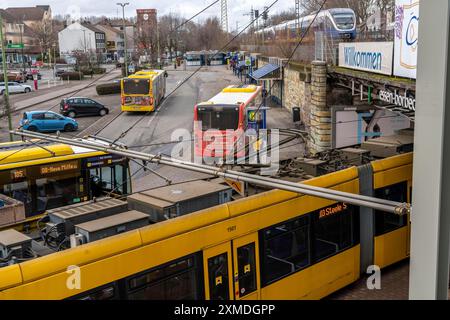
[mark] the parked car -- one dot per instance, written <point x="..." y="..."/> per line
<point x="45" y="121"/>
<point x="13" y="76"/>
<point x="15" y="87"/>
<point x="80" y="106"/>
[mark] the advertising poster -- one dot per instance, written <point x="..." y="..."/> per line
<point x="373" y="57"/>
<point x="406" y="38"/>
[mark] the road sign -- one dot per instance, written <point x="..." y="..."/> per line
<point x="238" y="186"/>
<point x="15" y="46"/>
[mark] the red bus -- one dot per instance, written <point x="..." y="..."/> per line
<point x="224" y="118"/>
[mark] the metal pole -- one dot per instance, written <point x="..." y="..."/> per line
<point x="355" y="199"/>
<point x="22" y="44"/>
<point x="429" y="270"/>
<point x="123" y="5"/>
<point x="5" y="80"/>
<point x="158" y="44"/>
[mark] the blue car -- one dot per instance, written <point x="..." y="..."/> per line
<point x="47" y="121"/>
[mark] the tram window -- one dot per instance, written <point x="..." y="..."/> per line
<point x="175" y="281"/>
<point x="103" y="294"/>
<point x="218" y="277"/>
<point x="107" y="178"/>
<point x="332" y="234"/>
<point x="120" y="184"/>
<point x="246" y="269"/>
<point x="21" y="192"/>
<point x="388" y="222"/>
<point x="53" y="193"/>
<point x="285" y="249"/>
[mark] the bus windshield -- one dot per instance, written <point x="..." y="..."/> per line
<point x="136" y="86"/>
<point x="218" y="118"/>
<point x="344" y="22"/>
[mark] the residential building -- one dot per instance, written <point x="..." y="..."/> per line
<point x="31" y="16"/>
<point x="15" y="33"/>
<point x="130" y="36"/>
<point x="82" y="37"/>
<point x="114" y="41"/>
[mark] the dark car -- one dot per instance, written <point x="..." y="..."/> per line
<point x="30" y="76"/>
<point x="73" y="107"/>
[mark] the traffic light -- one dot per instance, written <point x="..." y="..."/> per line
<point x="265" y="14"/>
<point x="256" y="14"/>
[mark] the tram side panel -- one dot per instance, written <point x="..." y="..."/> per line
<point x="392" y="181"/>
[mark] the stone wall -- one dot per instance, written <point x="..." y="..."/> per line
<point x="320" y="116"/>
<point x="305" y="86"/>
<point x="296" y="87"/>
<point x="297" y="93"/>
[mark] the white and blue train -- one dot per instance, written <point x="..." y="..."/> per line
<point x="338" y="23"/>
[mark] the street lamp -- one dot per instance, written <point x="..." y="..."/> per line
<point x="123" y="5"/>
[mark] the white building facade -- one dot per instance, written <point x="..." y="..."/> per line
<point x="79" y="37"/>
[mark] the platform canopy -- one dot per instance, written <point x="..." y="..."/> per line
<point x="267" y="72"/>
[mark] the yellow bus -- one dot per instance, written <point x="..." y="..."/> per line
<point x="275" y="245"/>
<point x="143" y="91"/>
<point x="46" y="175"/>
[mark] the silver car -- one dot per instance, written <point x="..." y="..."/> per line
<point x="15" y="87"/>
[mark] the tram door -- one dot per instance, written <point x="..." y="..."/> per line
<point x="245" y="268"/>
<point x="217" y="263"/>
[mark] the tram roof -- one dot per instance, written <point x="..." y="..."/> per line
<point x="19" y="154"/>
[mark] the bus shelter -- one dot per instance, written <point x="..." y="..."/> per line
<point x="270" y="76"/>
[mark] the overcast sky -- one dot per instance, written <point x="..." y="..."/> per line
<point x="186" y="8"/>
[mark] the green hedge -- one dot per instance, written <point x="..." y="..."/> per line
<point x="108" y="88"/>
<point x="72" y="76"/>
<point x="88" y="72"/>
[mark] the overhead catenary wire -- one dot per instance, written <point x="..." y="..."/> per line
<point x="124" y="133"/>
<point x="334" y="195"/>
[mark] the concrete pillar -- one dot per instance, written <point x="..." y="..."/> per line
<point x="320" y="117"/>
<point x="430" y="218"/>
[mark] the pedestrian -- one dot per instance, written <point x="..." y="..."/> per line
<point x="92" y="73"/>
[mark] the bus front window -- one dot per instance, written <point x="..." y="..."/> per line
<point x="219" y="119"/>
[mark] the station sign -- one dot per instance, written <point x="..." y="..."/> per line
<point x="403" y="101"/>
<point x="15" y="46"/>
<point x="375" y="57"/>
<point x="406" y="38"/>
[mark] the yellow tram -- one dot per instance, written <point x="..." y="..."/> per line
<point x="275" y="245"/>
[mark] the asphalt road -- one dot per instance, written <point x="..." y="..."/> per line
<point x="176" y="112"/>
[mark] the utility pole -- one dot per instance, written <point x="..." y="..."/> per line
<point x="5" y="80"/>
<point x="22" y="27"/>
<point x="123" y="5"/>
<point x="158" y="44"/>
